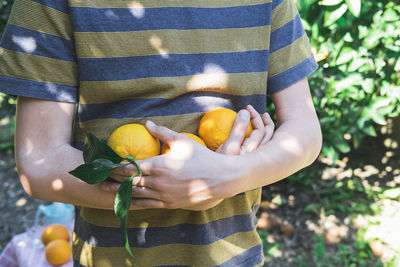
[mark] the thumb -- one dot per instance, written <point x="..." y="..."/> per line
<point x="160" y="132"/>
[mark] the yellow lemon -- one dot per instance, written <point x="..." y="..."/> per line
<point x="135" y="141"/>
<point x="165" y="148"/>
<point x="216" y="125"/>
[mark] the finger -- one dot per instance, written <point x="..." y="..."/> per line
<point x="145" y="192"/>
<point x="255" y="118"/>
<point x="257" y="135"/>
<point x="150" y="182"/>
<point x="269" y="128"/>
<point x="109" y="186"/>
<point x="253" y="141"/>
<point x="128" y="170"/>
<point x="142" y="203"/>
<point x="147" y="166"/>
<point x="118" y="178"/>
<point x="163" y="133"/>
<point x="234" y="141"/>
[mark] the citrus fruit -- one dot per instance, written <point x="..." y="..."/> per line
<point x="133" y="140"/>
<point x="165" y="148"/>
<point x="54" y="232"/>
<point x="216" y="125"/>
<point x="58" y="252"/>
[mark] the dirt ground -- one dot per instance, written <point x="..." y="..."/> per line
<point x="283" y="200"/>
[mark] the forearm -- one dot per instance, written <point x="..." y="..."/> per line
<point x="44" y="175"/>
<point x="295" y="145"/>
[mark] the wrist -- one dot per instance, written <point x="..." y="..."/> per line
<point x="232" y="174"/>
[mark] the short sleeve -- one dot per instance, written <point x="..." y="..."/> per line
<point x="290" y="56"/>
<point x="37" y="54"/>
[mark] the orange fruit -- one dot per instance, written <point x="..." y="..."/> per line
<point x="135" y="141"/>
<point x="216" y="125"/>
<point x="165" y="148"/>
<point x="58" y="252"/>
<point x="54" y="232"/>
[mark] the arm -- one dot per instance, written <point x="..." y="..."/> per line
<point x="44" y="155"/>
<point x="295" y="144"/>
<point x="193" y="177"/>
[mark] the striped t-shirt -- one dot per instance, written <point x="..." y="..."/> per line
<point x="169" y="61"/>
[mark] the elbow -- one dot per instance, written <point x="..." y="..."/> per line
<point x="314" y="146"/>
<point x="27" y="181"/>
<point x="30" y="176"/>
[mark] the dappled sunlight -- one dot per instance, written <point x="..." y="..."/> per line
<point x="181" y="150"/>
<point x="28" y="146"/>
<point x="86" y="256"/>
<point x="51" y="88"/>
<point x="292" y="145"/>
<point x="104" y="263"/>
<point x="27" y="44"/>
<point x="39" y="161"/>
<point x="111" y="15"/>
<point x="390" y="143"/>
<point x="211" y="102"/>
<point x="136" y="9"/>
<point x="96" y="51"/>
<point x="385" y="226"/>
<point x="25" y="183"/>
<point x="128" y="262"/>
<point x="213" y="76"/>
<point x="21" y="202"/>
<point x="156" y="43"/>
<point x="57" y="185"/>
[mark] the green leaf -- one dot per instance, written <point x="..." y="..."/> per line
<point x="345" y="55"/>
<point x="397" y="66"/>
<point x="369" y="130"/>
<point x="330" y="152"/>
<point x="356" y="64"/>
<point x="331" y="17"/>
<point x="94" y="148"/>
<point x="343" y="146"/>
<point x="392" y="193"/>
<point x="96" y="171"/>
<point x="121" y="208"/>
<point x="368" y="85"/>
<point x="372" y="38"/>
<point x="330" y="2"/>
<point x="390" y="15"/>
<point x="354" y="7"/>
<point x="312" y="208"/>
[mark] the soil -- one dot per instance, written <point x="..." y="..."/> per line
<point x="379" y="163"/>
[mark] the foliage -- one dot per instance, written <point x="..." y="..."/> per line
<point x="357" y="86"/>
<point x="7" y="103"/>
<point x="100" y="160"/>
<point x="5" y="8"/>
<point x="359" y="255"/>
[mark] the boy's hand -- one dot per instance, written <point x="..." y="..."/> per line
<point x="187" y="176"/>
<point x="263" y="129"/>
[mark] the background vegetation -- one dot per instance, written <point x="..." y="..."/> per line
<point x="356" y="92"/>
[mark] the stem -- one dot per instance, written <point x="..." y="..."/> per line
<point x="132" y="160"/>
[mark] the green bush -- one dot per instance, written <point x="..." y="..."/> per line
<point x="5" y="8"/>
<point x="357" y="86"/>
